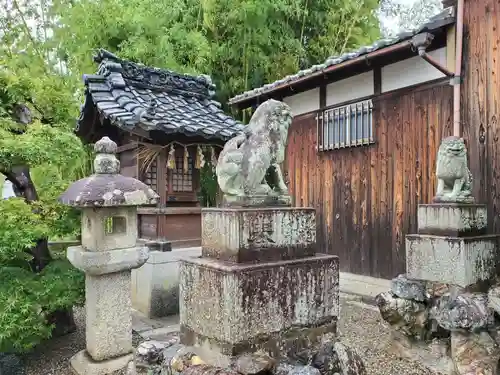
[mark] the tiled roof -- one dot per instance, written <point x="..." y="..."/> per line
<point x="440" y="20"/>
<point x="132" y="95"/>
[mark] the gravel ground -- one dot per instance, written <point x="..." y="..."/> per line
<point x="360" y="328"/>
<point x="364" y="330"/>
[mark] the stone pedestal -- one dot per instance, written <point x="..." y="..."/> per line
<point x="259" y="284"/>
<point x="451" y="246"/>
<point x="453" y="220"/>
<point x="256" y="235"/>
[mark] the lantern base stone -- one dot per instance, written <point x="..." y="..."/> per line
<point x="83" y="364"/>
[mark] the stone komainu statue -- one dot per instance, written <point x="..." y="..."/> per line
<point x="249" y="163"/>
<point x="453" y="176"/>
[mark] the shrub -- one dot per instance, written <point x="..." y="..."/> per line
<point x="27" y="298"/>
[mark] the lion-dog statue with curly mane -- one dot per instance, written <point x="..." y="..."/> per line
<point x="454" y="179"/>
<point x="248" y="169"/>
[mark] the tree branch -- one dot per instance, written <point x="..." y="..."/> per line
<point x="27" y="31"/>
<point x="10" y="176"/>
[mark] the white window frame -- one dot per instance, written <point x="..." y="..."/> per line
<point x="332" y="133"/>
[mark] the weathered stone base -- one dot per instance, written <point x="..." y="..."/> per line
<point x="461" y="261"/>
<point x="288" y="343"/>
<point x="83" y="364"/>
<point x="452" y="219"/>
<point x="232" y="308"/>
<point x="258" y="235"/>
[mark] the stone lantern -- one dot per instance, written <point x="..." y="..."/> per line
<point x="107" y="255"/>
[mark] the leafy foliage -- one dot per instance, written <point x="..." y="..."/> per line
<point x="38" y="106"/>
<point x="400" y="16"/>
<point x="208" y="184"/>
<point x="241" y="44"/>
<point x="27" y="299"/>
<point x="16" y="238"/>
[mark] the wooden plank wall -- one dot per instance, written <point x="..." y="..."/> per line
<point x="366" y="197"/>
<point x="480" y="94"/>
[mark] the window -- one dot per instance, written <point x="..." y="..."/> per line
<point x="346" y="126"/>
<point x="182" y="182"/>
<point x="150" y="175"/>
<point x="115" y="225"/>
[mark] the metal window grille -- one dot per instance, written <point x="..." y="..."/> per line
<point x="347" y="126"/>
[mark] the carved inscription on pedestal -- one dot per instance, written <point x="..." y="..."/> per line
<point x="260" y="230"/>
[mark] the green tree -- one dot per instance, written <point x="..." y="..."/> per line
<point x="37" y="110"/>
<point x="241" y="44"/>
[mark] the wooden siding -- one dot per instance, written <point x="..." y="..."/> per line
<point x="366" y="197"/>
<point x="480" y="94"/>
<point x="180" y="225"/>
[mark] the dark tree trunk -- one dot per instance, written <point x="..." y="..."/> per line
<point x="63" y="321"/>
<point x="24" y="187"/>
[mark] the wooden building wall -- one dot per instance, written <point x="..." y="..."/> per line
<point x="480" y="94"/>
<point x="366" y="197"/>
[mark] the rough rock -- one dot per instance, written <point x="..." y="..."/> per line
<point x="150" y="352"/>
<point x="184" y="359"/>
<point x="10" y="364"/>
<point x="411" y="289"/>
<point x="253" y="363"/>
<point x="207" y="370"/>
<point x="283" y="368"/>
<point x="408" y="316"/>
<point x="467" y="311"/>
<point x="474" y="353"/>
<point x="437" y="289"/>
<point x="434" y="353"/>
<point x="350" y="362"/>
<point x="494" y="299"/>
<point x="435" y="330"/>
<point x="325" y="359"/>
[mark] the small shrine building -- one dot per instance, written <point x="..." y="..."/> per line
<point x="167" y="126"/>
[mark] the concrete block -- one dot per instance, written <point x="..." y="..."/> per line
<point x="155" y="286"/>
<point x="258" y="234"/>
<point x="455" y="220"/>
<point x="453" y="260"/>
<point x="280" y="306"/>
